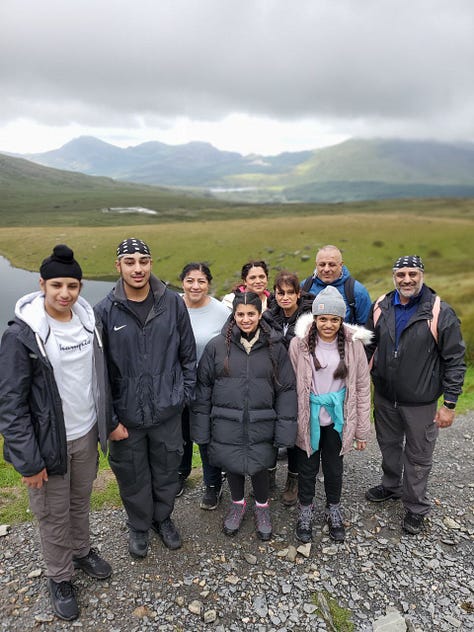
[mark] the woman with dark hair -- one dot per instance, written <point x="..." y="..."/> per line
<point x="207" y="316"/>
<point x="245" y="407"/>
<point x="288" y="304"/>
<point x="254" y="275"/>
<point x="333" y="386"/>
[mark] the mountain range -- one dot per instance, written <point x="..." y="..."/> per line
<point x="356" y="169"/>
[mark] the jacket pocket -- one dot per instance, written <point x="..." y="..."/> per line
<point x="262" y="425"/>
<point x="226" y="425"/>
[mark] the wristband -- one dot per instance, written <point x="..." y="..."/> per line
<point x="449" y="405"/>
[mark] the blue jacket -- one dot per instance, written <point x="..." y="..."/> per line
<point x="361" y="295"/>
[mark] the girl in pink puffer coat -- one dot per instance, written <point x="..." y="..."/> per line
<point x="333" y="388"/>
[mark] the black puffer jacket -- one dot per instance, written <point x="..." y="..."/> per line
<point x="31" y="414"/>
<point x="420" y="370"/>
<point x="246" y="415"/>
<point x="152" y="368"/>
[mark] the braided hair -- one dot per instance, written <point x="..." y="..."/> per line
<point x="249" y="298"/>
<point x="341" y="370"/>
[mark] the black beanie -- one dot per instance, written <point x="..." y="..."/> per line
<point x="60" y="264"/>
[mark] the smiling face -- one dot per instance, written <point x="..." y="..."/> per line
<point x="60" y="294"/>
<point x="196" y="287"/>
<point x="256" y="280"/>
<point x="329" y="265"/>
<point x="287" y="298"/>
<point x="135" y="271"/>
<point x="247" y="317"/>
<point x="408" y="282"/>
<point x="328" y="326"/>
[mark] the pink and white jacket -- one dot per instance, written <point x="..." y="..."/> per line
<point x="357" y="400"/>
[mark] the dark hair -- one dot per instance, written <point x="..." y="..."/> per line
<point x="246" y="298"/>
<point x="202" y="267"/>
<point x="252" y="264"/>
<point x="287" y="278"/>
<point x="341" y="370"/>
<point x="249" y="298"/>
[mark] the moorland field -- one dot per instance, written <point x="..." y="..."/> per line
<point x="370" y="234"/>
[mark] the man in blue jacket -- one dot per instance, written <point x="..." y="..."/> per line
<point x="418" y="355"/>
<point x="151" y="357"/>
<point x="53" y="396"/>
<point x="330" y="270"/>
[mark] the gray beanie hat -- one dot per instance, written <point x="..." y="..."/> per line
<point x="329" y="302"/>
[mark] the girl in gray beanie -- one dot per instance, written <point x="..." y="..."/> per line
<point x="333" y="389"/>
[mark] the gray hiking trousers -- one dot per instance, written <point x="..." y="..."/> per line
<point x="62" y="508"/>
<point x="406" y="436"/>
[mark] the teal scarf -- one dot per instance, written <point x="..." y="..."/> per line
<point x="334" y="404"/>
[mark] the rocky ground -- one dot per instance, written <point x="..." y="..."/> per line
<point x="380" y="576"/>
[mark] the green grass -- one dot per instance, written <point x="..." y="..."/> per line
<point x="371" y="236"/>
<point x="336" y="617"/>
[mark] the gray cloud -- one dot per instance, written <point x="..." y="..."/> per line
<point x="378" y="66"/>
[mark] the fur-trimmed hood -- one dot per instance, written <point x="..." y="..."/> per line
<point x="352" y="332"/>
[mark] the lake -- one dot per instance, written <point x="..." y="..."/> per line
<point x="16" y="283"/>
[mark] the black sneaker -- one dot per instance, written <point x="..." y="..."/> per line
<point x="333" y="516"/>
<point x="413" y="523"/>
<point x="63" y="600"/>
<point x="380" y="494"/>
<point x="304" y="530"/>
<point x="168" y="532"/>
<point x="138" y="543"/>
<point x="211" y="497"/>
<point x="93" y="565"/>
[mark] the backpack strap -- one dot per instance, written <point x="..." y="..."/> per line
<point x="349" y="284"/>
<point x="433" y="323"/>
<point x="307" y="283"/>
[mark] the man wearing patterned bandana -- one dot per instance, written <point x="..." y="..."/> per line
<point x="414" y="363"/>
<point x="151" y="356"/>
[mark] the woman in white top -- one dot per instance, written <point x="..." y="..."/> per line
<point x="208" y="316"/>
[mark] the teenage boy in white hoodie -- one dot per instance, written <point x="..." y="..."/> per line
<point x="52" y="413"/>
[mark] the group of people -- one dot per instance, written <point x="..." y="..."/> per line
<point x="148" y="371"/>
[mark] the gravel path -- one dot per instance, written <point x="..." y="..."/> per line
<point x="222" y="584"/>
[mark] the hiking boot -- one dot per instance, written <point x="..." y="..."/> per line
<point x="94" y="565"/>
<point x="137" y="543"/>
<point x="168" y="532"/>
<point x="413" y="523"/>
<point x="63" y="600"/>
<point x="380" y="494"/>
<point x="333" y="516"/>
<point x="263" y="522"/>
<point x="181" y="484"/>
<point x="211" y="497"/>
<point x="234" y="518"/>
<point x="304" y="530"/>
<point x="290" y="493"/>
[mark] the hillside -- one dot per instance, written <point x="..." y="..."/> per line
<point x="357" y="169"/>
<point x="33" y="194"/>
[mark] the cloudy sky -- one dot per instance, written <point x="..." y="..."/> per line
<point x="260" y="76"/>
